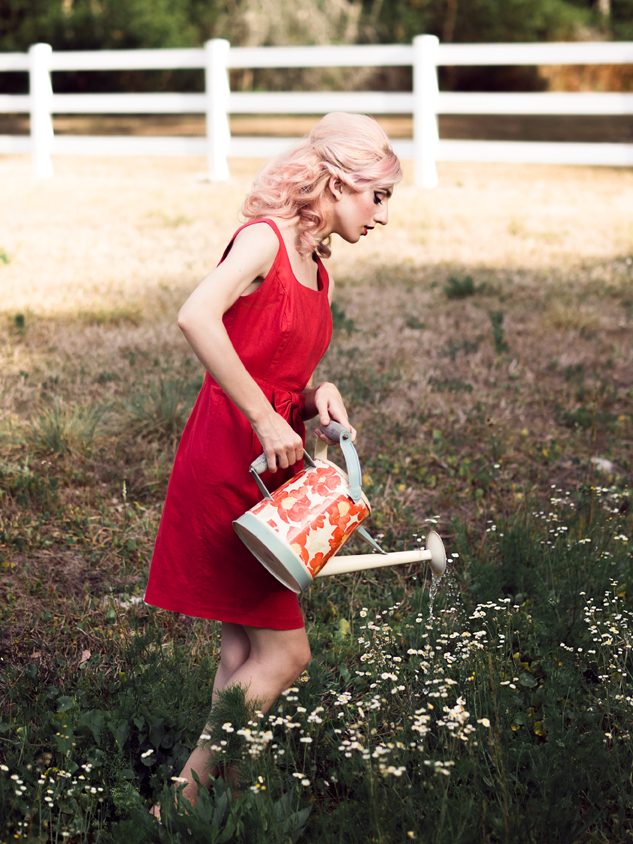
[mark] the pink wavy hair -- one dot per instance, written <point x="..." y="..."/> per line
<point x="350" y="147"/>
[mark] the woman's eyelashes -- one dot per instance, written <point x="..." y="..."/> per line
<point x="377" y="198"/>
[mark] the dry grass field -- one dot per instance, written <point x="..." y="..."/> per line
<point x="96" y="262"/>
<point x="483" y="341"/>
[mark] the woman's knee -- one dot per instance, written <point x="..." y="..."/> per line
<point x="297" y="659"/>
<point x="285" y="653"/>
<point x="304" y="657"/>
<point x="235" y="648"/>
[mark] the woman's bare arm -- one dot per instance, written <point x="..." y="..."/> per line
<point x="200" y="319"/>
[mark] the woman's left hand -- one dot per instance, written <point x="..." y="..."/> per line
<point x="330" y="407"/>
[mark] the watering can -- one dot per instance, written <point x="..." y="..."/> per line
<point x="296" y="530"/>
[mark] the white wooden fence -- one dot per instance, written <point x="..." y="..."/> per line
<point x="425" y="102"/>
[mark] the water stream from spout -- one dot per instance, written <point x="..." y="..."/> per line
<point x="436" y="582"/>
<point x="447" y="585"/>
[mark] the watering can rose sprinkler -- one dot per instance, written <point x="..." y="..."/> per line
<point x="296" y="530"/>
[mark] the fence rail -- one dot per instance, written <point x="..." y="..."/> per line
<point x="217" y="102"/>
<point x="320" y="102"/>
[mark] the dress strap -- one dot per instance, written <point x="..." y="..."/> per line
<point x="323" y="275"/>
<point x="272" y="225"/>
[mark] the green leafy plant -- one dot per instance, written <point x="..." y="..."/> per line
<point x="462" y="288"/>
<point x="496" y="319"/>
<point x="459" y="288"/>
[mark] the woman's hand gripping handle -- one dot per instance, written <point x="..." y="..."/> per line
<point x="332" y="433"/>
<point x="282" y="445"/>
<point x="327" y="402"/>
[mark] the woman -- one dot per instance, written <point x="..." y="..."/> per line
<point x="260" y="323"/>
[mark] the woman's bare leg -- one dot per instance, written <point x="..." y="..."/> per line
<point x="276" y="659"/>
<point x="264" y="662"/>
<point x="234" y="651"/>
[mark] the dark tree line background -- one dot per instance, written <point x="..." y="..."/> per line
<point x="133" y="24"/>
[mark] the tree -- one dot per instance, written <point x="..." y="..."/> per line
<point x="99" y="25"/>
<point x="482" y="20"/>
<point x="133" y="24"/>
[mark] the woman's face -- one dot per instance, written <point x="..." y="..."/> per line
<point x="356" y="213"/>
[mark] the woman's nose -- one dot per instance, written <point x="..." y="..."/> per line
<point x="382" y="215"/>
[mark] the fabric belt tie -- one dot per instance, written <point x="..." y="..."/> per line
<point x="289" y="404"/>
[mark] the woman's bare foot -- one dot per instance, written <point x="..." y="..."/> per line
<point x="192" y="796"/>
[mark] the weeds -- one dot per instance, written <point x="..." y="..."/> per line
<point x="27" y="487"/>
<point x="459" y="288"/>
<point x="361" y="383"/>
<point x="496" y="319"/>
<point x="219" y="817"/>
<point x="467" y="347"/>
<point x="62" y="429"/>
<point x="163" y="409"/>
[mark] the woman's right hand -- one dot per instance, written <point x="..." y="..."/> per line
<point x="282" y="445"/>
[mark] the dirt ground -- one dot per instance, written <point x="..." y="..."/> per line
<point x="588" y="128"/>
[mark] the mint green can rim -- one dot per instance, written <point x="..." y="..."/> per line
<point x="299" y="577"/>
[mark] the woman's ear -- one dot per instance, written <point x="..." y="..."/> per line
<point x="336" y="188"/>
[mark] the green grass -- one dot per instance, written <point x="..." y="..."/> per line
<point x="163" y="409"/>
<point x="507" y="718"/>
<point x="60" y="428"/>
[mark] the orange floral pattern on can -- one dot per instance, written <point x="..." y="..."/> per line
<point x="313" y="514"/>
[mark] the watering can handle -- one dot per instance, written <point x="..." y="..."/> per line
<point x="337" y="432"/>
<point x="334" y="431"/>
<point x="260" y="464"/>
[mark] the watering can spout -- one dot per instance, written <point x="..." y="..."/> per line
<point x="434" y="553"/>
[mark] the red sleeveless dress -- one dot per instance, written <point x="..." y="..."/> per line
<point x="200" y="567"/>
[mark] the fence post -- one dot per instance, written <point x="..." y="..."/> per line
<point x="41" y="91"/>
<point x="425" y="94"/>
<point x="217" y="92"/>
